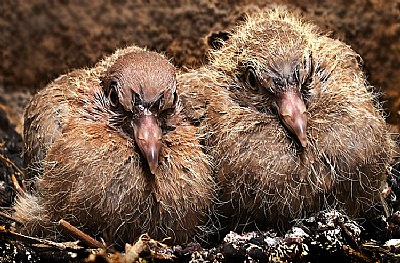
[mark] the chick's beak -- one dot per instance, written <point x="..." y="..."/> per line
<point x="292" y="111"/>
<point x="148" y="136"/>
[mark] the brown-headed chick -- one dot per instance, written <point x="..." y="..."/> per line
<point x="113" y="154"/>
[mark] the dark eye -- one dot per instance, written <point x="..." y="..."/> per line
<point x="251" y="78"/>
<point x="296" y="74"/>
<point x="175" y="100"/>
<point x="136" y="101"/>
<point x="112" y="95"/>
<point x="157" y="105"/>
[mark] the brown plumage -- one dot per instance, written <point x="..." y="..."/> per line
<point x="114" y="154"/>
<point x="290" y="122"/>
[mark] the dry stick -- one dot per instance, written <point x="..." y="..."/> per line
<point x="76" y="233"/>
<point x="349" y="235"/>
<point x="16" y="184"/>
<point x="356" y="254"/>
<point x="17" y="187"/>
<point x="2" y="214"/>
<point x="377" y="249"/>
<point x="12" y="164"/>
<point x="34" y="240"/>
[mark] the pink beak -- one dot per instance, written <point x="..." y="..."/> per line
<point x="148" y="136"/>
<point x="292" y="111"/>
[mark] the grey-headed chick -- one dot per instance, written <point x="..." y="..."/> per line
<point x="290" y="122"/>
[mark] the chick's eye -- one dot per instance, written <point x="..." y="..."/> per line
<point x="251" y="78"/>
<point x="112" y="95"/>
<point x="296" y="74"/>
<point x="175" y="98"/>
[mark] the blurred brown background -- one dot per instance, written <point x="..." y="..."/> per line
<point x="42" y="39"/>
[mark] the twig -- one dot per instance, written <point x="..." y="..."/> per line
<point x="349" y="235"/>
<point x="375" y="249"/>
<point x="12" y="164"/>
<point x="358" y="256"/>
<point x="35" y="240"/>
<point x="17" y="187"/>
<point x="2" y="214"/>
<point x="76" y="233"/>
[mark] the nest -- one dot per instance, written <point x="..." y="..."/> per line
<point x="327" y="235"/>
